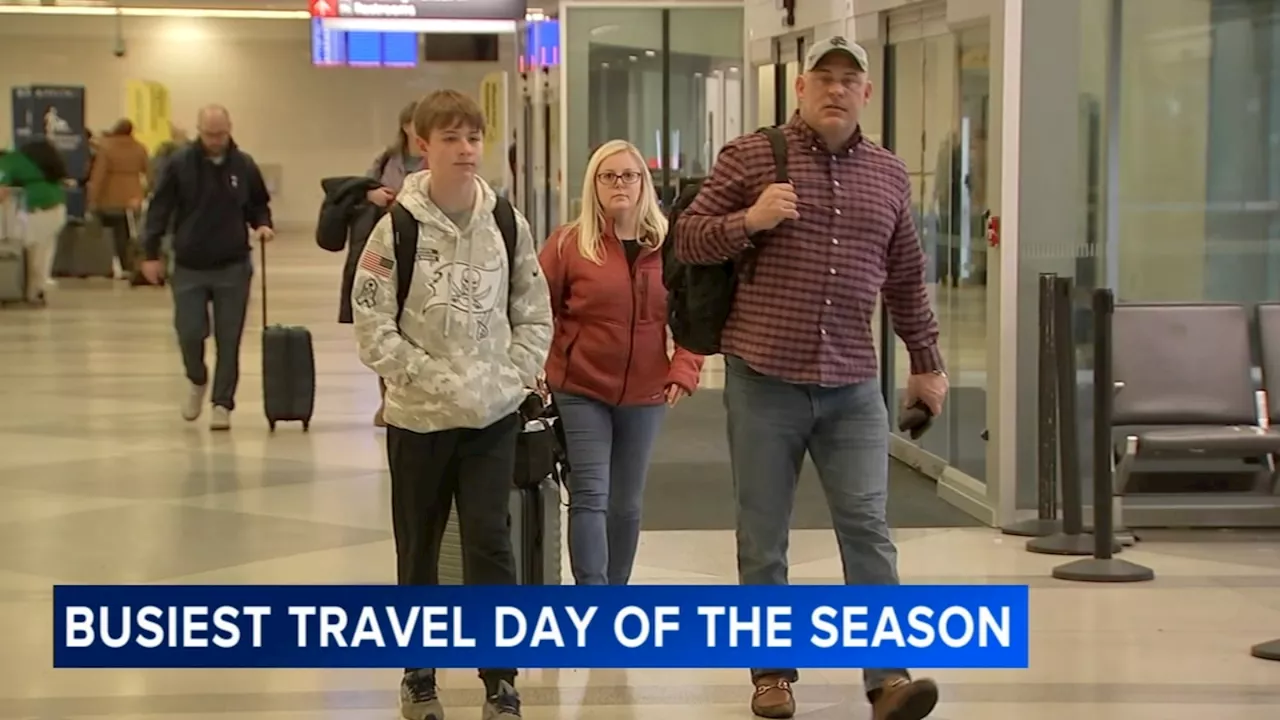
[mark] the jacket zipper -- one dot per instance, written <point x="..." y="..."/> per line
<point x="631" y="337"/>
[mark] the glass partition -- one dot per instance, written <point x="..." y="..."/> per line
<point x="667" y="80"/>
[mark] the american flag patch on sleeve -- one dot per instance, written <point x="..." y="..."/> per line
<point x="377" y="264"/>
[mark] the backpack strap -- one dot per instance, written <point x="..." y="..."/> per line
<point x="404" y="229"/>
<point x="505" y="216"/>
<point x="778" y="141"/>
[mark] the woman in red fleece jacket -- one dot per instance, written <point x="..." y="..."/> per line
<point x="609" y="369"/>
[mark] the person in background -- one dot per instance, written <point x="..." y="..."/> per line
<point x="800" y="358"/>
<point x="117" y="186"/>
<point x="459" y="362"/>
<point x="212" y="193"/>
<point x="177" y="140"/>
<point x="609" y="371"/>
<point x="91" y="154"/>
<point x="390" y="168"/>
<point x="37" y="171"/>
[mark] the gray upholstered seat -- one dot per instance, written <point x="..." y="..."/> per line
<point x="1208" y="441"/>
<point x="1184" y="373"/>
<point x="1269" y="340"/>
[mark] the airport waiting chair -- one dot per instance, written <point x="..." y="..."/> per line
<point x="1184" y="373"/>
<point x="1269" y="341"/>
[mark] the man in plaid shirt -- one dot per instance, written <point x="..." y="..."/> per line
<point x="800" y="358"/>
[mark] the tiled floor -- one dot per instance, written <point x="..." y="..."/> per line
<point x="101" y="482"/>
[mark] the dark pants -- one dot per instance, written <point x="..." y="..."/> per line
<point x="609" y="449"/>
<point x="845" y="430"/>
<point x="473" y="469"/>
<point x="225" y="291"/>
<point x="117" y="223"/>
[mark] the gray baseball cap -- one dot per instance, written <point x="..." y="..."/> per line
<point x="839" y="44"/>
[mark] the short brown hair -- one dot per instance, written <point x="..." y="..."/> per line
<point x="445" y="110"/>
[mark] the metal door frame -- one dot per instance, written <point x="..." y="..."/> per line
<point x="982" y="500"/>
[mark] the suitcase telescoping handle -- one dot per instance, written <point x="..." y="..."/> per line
<point x="262" y="273"/>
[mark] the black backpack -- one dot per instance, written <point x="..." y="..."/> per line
<point x="404" y="227"/>
<point x="700" y="297"/>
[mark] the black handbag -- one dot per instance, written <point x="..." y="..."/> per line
<point x="537" y="452"/>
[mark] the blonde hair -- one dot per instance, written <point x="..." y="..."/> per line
<point x="591" y="222"/>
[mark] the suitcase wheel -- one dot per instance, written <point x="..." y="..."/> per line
<point x="306" y="426"/>
<point x="272" y="423"/>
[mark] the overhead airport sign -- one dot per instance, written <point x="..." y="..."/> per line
<point x="420" y="9"/>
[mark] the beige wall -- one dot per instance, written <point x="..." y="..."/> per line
<point x="309" y="122"/>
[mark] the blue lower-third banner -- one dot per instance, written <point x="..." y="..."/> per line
<point x="637" y="626"/>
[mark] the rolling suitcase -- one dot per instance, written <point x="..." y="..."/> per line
<point x="13" y="250"/>
<point x="84" y="250"/>
<point x="536" y="532"/>
<point x="536" y="538"/>
<point x="288" y="367"/>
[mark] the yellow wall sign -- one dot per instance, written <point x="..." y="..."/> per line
<point x="147" y="107"/>
<point x="493" y="101"/>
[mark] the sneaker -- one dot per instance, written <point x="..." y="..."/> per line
<point x="503" y="704"/>
<point x="901" y="698"/>
<point x="773" y="698"/>
<point x="221" y="419"/>
<point x="418" y="700"/>
<point x="193" y="403"/>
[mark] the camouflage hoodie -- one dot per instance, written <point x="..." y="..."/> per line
<point x="469" y="343"/>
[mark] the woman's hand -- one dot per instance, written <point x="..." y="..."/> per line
<point x="382" y="196"/>
<point x="675" y="394"/>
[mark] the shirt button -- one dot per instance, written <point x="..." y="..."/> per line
<point x="836" y="182"/>
<point x="827" y="301"/>
<point x="835" y="241"/>
<point x="833" y="271"/>
<point x="837" y="211"/>
<point x="822" y="330"/>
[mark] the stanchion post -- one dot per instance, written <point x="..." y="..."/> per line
<point x="1103" y="566"/>
<point x="1073" y="540"/>
<point x="1046" y="521"/>
<point x="1267" y="651"/>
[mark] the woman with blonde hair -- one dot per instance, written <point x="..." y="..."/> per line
<point x="609" y="369"/>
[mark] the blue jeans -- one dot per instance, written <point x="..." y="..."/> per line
<point x="609" y="448"/>
<point x="772" y="423"/>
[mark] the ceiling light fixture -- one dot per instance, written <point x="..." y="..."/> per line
<point x="100" y="11"/>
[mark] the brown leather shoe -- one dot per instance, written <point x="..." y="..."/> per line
<point x="904" y="699"/>
<point x="773" y="698"/>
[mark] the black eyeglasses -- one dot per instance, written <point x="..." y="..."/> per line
<point x="628" y="177"/>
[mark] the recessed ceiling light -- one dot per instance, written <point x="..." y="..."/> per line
<point x="650" y="53"/>
<point x="733" y="69"/>
<point x="634" y="58"/>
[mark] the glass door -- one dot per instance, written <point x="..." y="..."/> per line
<point x="937" y="110"/>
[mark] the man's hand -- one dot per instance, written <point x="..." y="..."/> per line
<point x="382" y="196"/>
<point x="152" y="270"/>
<point x="929" y="388"/>
<point x="775" y="204"/>
<point x="265" y="234"/>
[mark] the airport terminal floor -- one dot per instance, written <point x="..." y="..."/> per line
<point x="102" y="482"/>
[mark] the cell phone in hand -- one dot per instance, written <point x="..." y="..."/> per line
<point x="916" y="420"/>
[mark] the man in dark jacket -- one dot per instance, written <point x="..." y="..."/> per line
<point x="213" y="194"/>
